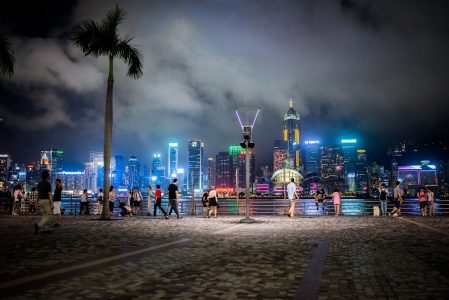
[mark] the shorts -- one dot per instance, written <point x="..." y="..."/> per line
<point x="56" y="207"/>
<point x="422" y="204"/>
<point x="320" y="200"/>
<point x="137" y="203"/>
<point x="397" y="203"/>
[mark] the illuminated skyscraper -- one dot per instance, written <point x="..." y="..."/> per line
<point x="119" y="171"/>
<point x="172" y="166"/>
<point x="195" y="164"/>
<point x="280" y="153"/>
<point x="224" y="174"/>
<point x="133" y="172"/>
<point x="211" y="172"/>
<point x="292" y="134"/>
<point x="51" y="159"/>
<point x="361" y="173"/>
<point x="157" y="170"/>
<point x="242" y="169"/>
<point x="5" y="161"/>
<point x="349" y="148"/>
<point x="332" y="167"/>
<point x="311" y="157"/>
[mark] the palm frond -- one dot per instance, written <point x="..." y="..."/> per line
<point x="88" y="36"/>
<point x="132" y="56"/>
<point x="112" y="19"/>
<point x="7" y="59"/>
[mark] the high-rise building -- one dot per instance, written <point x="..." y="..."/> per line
<point x="133" y="172"/>
<point x="242" y="169"/>
<point x="280" y="153"/>
<point x="443" y="177"/>
<point x="234" y="152"/>
<point x="157" y="170"/>
<point x="396" y="156"/>
<point x="172" y="166"/>
<point x="349" y="148"/>
<point x="73" y="181"/>
<point x="361" y="173"/>
<point x="32" y="176"/>
<point x="292" y="134"/>
<point x="224" y="173"/>
<point x="311" y="157"/>
<point x="119" y="171"/>
<point x="5" y="162"/>
<point x="51" y="160"/>
<point x="195" y="164"/>
<point x="94" y="171"/>
<point x="211" y="172"/>
<point x="332" y="167"/>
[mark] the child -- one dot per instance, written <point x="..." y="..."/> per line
<point x="336" y="196"/>
<point x="205" y="202"/>
<point x="422" y="197"/>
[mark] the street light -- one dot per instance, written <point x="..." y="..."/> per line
<point x="247" y="118"/>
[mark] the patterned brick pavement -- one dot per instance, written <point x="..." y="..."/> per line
<point x="367" y="258"/>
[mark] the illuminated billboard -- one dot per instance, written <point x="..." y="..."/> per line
<point x="311" y="142"/>
<point x="348" y="141"/>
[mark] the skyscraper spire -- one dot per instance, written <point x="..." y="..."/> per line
<point x="291" y="102"/>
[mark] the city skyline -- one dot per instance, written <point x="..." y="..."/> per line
<point x="198" y="65"/>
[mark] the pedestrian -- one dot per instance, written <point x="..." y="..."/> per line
<point x="213" y="201"/>
<point x="397" y="199"/>
<point x="99" y="201"/>
<point x="292" y="196"/>
<point x="320" y="196"/>
<point x="205" y="202"/>
<point x="173" y="198"/>
<point x="336" y="196"/>
<point x="111" y="198"/>
<point x="431" y="201"/>
<point x="422" y="198"/>
<point x="57" y="202"/>
<point x="32" y="199"/>
<point x="130" y="199"/>
<point x="158" y="201"/>
<point x="150" y="197"/>
<point x="137" y="201"/>
<point x="383" y="196"/>
<point x="17" y="197"/>
<point x="45" y="200"/>
<point x="84" y="203"/>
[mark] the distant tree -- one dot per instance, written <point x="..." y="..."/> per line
<point x="7" y="59"/>
<point x="98" y="39"/>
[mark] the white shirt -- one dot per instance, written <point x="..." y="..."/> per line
<point x="291" y="190"/>
<point x="16" y="195"/>
<point x="212" y="194"/>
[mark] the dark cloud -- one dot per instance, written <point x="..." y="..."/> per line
<point x="378" y="70"/>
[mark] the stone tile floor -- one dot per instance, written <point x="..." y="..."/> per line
<point x="368" y="258"/>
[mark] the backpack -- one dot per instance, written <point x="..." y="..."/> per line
<point x="383" y="195"/>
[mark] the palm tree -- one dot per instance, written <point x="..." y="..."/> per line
<point x="7" y="59"/>
<point x="98" y="39"/>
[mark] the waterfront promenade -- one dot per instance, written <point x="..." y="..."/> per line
<point x="310" y="257"/>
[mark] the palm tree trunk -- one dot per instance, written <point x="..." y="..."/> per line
<point x="107" y="140"/>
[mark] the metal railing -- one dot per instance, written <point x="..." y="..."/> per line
<point x="356" y="207"/>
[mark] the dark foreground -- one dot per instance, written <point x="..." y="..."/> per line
<point x="324" y="257"/>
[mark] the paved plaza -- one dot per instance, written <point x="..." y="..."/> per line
<point x="323" y="257"/>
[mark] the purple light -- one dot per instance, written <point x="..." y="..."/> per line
<point x="238" y="118"/>
<point x="255" y="117"/>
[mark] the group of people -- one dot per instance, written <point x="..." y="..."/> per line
<point x="210" y="203"/>
<point x="320" y="197"/>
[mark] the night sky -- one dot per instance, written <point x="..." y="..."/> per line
<point x="374" y="70"/>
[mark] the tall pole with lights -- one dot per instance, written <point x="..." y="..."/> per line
<point x="247" y="144"/>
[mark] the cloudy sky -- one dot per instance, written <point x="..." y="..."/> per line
<point x="376" y="70"/>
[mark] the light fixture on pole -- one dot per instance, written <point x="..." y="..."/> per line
<point x="247" y="118"/>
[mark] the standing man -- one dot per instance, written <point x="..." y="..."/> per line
<point x="45" y="201"/>
<point x="397" y="194"/>
<point x="173" y="197"/>
<point x="292" y="196"/>
<point x="431" y="199"/>
<point x="320" y="196"/>
<point x="57" y="202"/>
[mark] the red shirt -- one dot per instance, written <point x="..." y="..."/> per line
<point x="158" y="194"/>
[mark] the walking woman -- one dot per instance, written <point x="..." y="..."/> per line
<point x="17" y="200"/>
<point x="336" y="196"/>
<point x="422" y="198"/>
<point x="112" y="197"/>
<point x="213" y="202"/>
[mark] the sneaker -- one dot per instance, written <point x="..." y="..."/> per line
<point x="317" y="208"/>
<point x="166" y="217"/>
<point x="56" y="225"/>
<point x="179" y="217"/>
<point x="36" y="228"/>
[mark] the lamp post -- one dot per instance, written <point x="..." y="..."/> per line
<point x="247" y="143"/>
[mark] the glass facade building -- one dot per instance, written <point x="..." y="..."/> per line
<point x="224" y="170"/>
<point x="195" y="165"/>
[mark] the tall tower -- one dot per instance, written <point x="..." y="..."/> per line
<point x="172" y="158"/>
<point x="195" y="165"/>
<point x="292" y="134"/>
